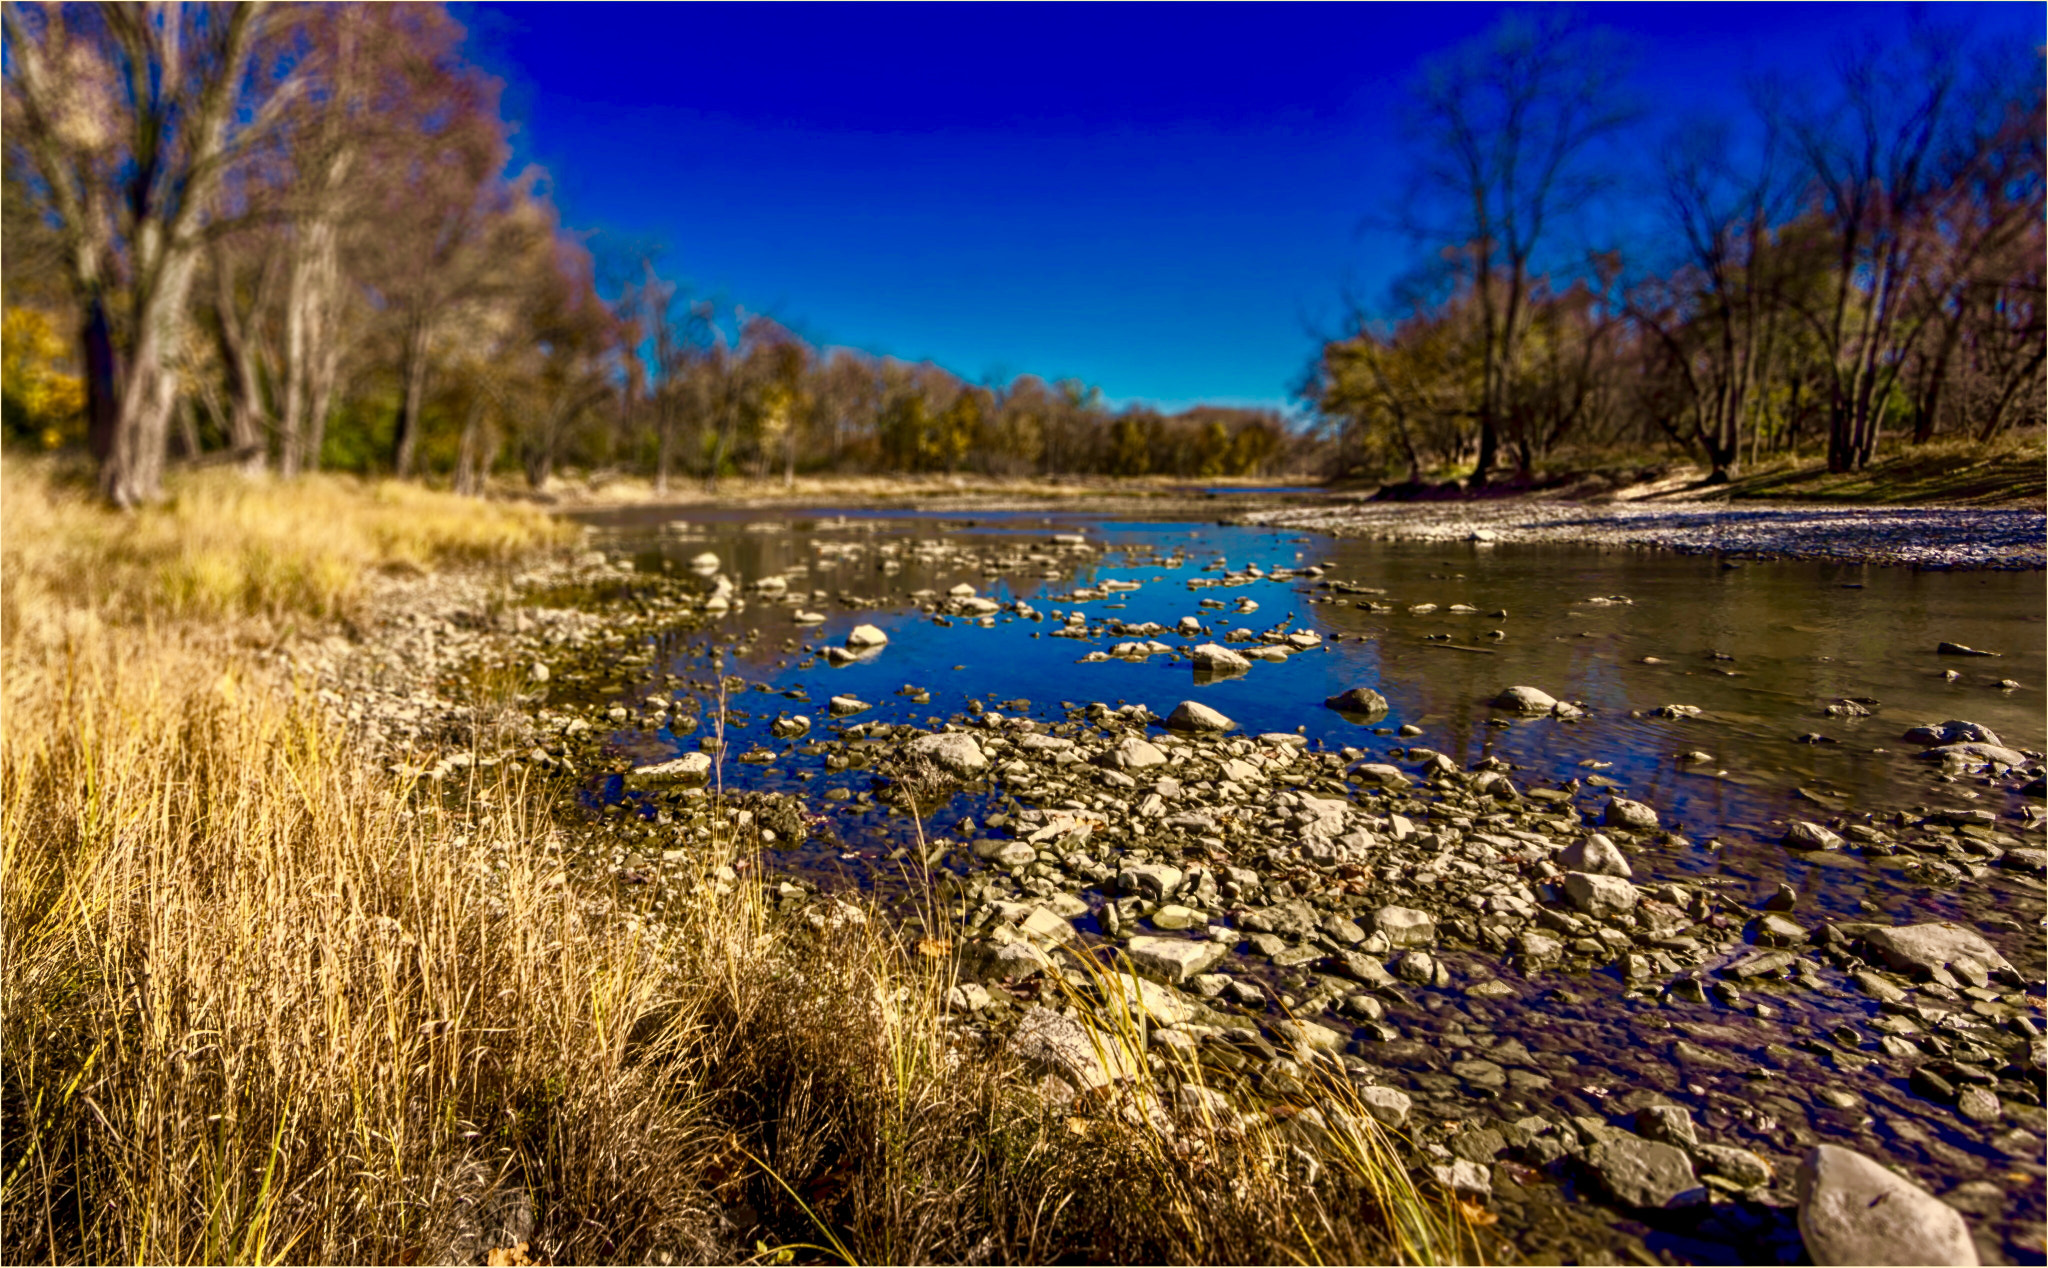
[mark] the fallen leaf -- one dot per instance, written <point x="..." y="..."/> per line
<point x="1476" y="1214"/>
<point x="510" y="1257"/>
<point x="934" y="947"/>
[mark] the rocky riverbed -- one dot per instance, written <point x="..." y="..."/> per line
<point x="1577" y="1008"/>
<point x="1923" y="537"/>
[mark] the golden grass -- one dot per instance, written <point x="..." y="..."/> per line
<point x="224" y="547"/>
<point x="264" y="1001"/>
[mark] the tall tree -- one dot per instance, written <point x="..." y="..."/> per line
<point x="1504" y="130"/>
<point x="127" y="117"/>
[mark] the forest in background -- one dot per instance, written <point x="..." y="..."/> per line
<point x="1858" y="262"/>
<point x="288" y="237"/>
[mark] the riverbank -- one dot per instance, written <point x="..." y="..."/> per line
<point x="1602" y="1068"/>
<point x="1920" y="537"/>
<point x="313" y="952"/>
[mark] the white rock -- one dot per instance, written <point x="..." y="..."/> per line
<point x="1404" y="926"/>
<point x="690" y="768"/>
<point x="1156" y="881"/>
<point x="1598" y="895"/>
<point x="1136" y="754"/>
<point x="1595" y="854"/>
<point x="1525" y="700"/>
<point x="953" y="750"/>
<point x="1854" y="1211"/>
<point x="1193" y="715"/>
<point x="1389" y="1105"/>
<point x="1634" y="815"/>
<point x="861" y="636"/>
<point x="1174" y="960"/>
<point x="1215" y="658"/>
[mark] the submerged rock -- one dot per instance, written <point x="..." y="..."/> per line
<point x="1634" y="815"/>
<point x="1360" y="700"/>
<point x="1525" y="700"/>
<point x="1925" y="948"/>
<point x="1803" y="835"/>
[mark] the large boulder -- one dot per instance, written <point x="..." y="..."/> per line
<point x="1953" y="731"/>
<point x="1633" y="815"/>
<point x="1924" y="948"/>
<point x="1385" y="774"/>
<point x="1404" y="926"/>
<point x="1053" y="1044"/>
<point x="1193" y="715"/>
<point x="1643" y="1173"/>
<point x="1854" y="1211"/>
<point x="1363" y="701"/>
<point x="1973" y="753"/>
<point x="1156" y="881"/>
<point x="1598" y="895"/>
<point x="1214" y="658"/>
<point x="1136" y="754"/>
<point x="1597" y="855"/>
<point x="952" y="750"/>
<point x="1173" y="960"/>
<point x="1525" y="700"/>
<point x="861" y="637"/>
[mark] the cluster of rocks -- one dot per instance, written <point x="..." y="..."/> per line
<point x="1278" y="913"/>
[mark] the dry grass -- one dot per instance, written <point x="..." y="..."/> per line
<point x="264" y="1002"/>
<point x="226" y="548"/>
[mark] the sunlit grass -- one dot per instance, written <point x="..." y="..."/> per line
<point x="224" y="547"/>
<point x="265" y="1000"/>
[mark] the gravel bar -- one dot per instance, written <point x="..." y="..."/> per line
<point x="1922" y="537"/>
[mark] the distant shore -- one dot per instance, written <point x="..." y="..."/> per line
<point x="2008" y="538"/>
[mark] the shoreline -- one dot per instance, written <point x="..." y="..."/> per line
<point x="1948" y="538"/>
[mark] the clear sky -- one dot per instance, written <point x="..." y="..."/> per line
<point x="1165" y="201"/>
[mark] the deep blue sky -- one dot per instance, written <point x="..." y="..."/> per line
<point x="1165" y="201"/>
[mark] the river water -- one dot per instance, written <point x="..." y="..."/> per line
<point x="1759" y="649"/>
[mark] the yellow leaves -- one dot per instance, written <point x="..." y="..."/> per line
<point x="510" y="1257"/>
<point x="934" y="948"/>
<point x="1475" y="1214"/>
<point x="42" y="399"/>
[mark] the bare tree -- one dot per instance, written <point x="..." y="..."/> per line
<point x="1873" y="155"/>
<point x="1717" y="312"/>
<point x="128" y="116"/>
<point x="1503" y="130"/>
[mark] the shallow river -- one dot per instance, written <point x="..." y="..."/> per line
<point x="1759" y="649"/>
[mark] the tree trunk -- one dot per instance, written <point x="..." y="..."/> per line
<point x="405" y="440"/>
<point x="469" y="455"/>
<point x="664" y="445"/>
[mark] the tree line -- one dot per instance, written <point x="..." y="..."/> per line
<point x="1850" y="264"/>
<point x="285" y="237"/>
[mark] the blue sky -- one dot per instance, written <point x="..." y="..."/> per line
<point x="1165" y="201"/>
